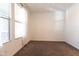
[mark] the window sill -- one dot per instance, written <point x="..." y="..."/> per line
<point x="18" y="37"/>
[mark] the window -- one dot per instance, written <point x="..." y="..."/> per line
<point x="4" y="22"/>
<point x="59" y="20"/>
<point x="20" y="21"/>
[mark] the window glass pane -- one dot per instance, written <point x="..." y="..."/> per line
<point x="19" y="30"/>
<point x="59" y="20"/>
<point x="4" y="30"/>
<point x="59" y="15"/>
<point x="4" y="22"/>
<point x="20" y="21"/>
<point x="4" y="10"/>
<point x="19" y="14"/>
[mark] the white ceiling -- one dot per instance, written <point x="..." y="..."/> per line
<point x="48" y="6"/>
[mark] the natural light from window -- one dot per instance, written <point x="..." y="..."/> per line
<point x="4" y="22"/>
<point x="20" y="21"/>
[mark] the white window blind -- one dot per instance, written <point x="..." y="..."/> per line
<point x="4" y="22"/>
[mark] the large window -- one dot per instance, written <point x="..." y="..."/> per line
<point x="4" y="22"/>
<point x="20" y="21"/>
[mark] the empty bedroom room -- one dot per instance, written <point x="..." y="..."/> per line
<point x="39" y="29"/>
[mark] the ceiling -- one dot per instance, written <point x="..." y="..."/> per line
<point x="47" y="6"/>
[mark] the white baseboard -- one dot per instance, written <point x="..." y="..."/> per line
<point x="45" y="40"/>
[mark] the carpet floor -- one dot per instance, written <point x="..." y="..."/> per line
<point x="46" y="48"/>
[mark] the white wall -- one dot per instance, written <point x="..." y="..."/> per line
<point x="72" y="26"/>
<point x="43" y="27"/>
<point x="28" y="33"/>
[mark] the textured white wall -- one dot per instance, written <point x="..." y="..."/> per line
<point x="72" y="26"/>
<point x="44" y="28"/>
